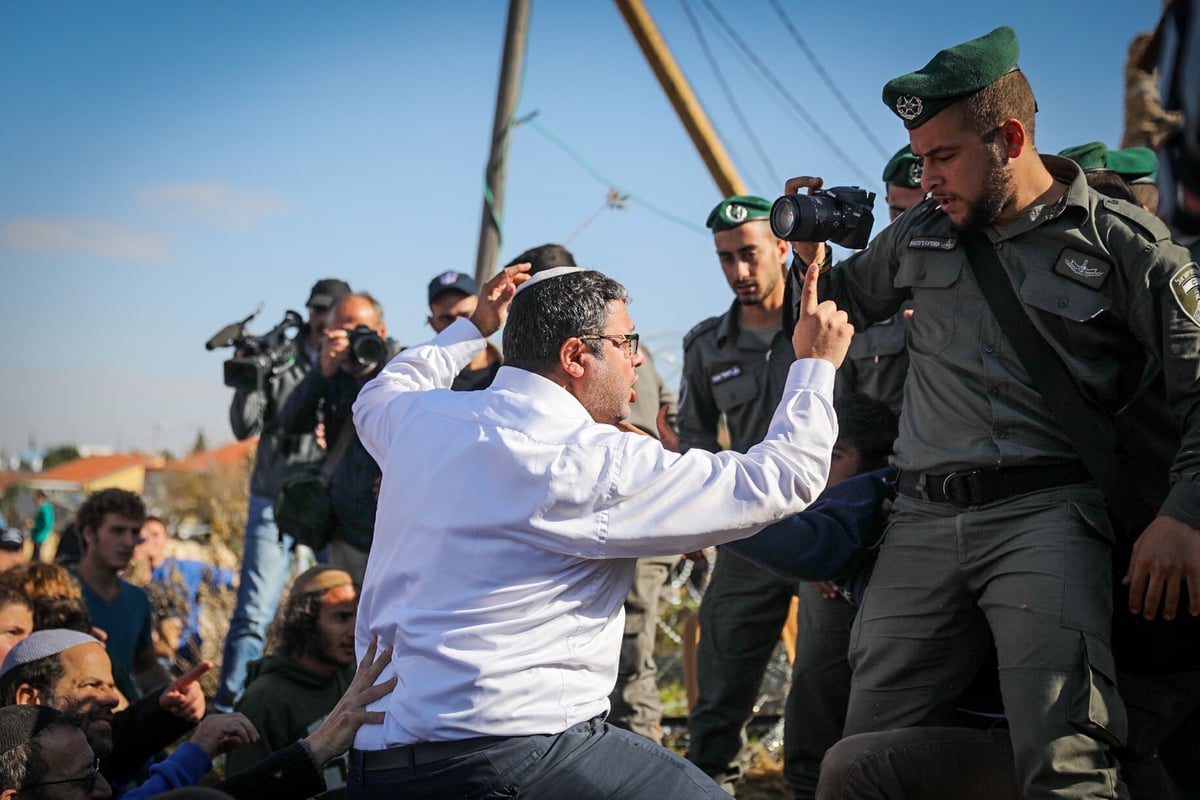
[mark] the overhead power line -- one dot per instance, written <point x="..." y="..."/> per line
<point x="772" y="174"/>
<point x="837" y="93"/>
<point x="796" y="106"/>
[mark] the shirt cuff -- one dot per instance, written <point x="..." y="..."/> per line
<point x="1183" y="503"/>
<point x="813" y="373"/>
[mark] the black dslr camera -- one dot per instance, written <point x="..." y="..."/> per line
<point x="262" y="357"/>
<point x="367" y="348"/>
<point x="842" y="215"/>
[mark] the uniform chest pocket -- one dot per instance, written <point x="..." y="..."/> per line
<point x="1062" y="297"/>
<point x="880" y="340"/>
<point x="734" y="391"/>
<point x="933" y="280"/>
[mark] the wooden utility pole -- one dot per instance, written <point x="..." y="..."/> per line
<point x="679" y="92"/>
<point x="511" y="65"/>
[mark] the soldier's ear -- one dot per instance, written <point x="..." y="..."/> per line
<point x="1012" y="137"/>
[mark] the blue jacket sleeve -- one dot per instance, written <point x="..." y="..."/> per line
<point x="185" y="767"/>
<point x="829" y="539"/>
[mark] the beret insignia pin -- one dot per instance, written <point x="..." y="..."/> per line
<point x="909" y="107"/>
<point x="736" y="212"/>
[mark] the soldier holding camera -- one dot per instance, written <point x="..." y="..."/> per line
<point x="1000" y="530"/>
<point x="735" y="366"/>
<point x="354" y="348"/>
<point x="266" y="555"/>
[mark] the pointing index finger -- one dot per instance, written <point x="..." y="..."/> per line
<point x="191" y="676"/>
<point x="808" y="294"/>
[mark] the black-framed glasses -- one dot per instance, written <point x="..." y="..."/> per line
<point x="618" y="340"/>
<point x="88" y="780"/>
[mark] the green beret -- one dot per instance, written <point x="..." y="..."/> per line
<point x="953" y="74"/>
<point x="1134" y="164"/>
<point x="733" y="211"/>
<point x="904" y="169"/>
<point x="1093" y="155"/>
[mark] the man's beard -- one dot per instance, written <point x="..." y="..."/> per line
<point x="997" y="191"/>
<point x="100" y="737"/>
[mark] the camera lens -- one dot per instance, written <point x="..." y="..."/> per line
<point x="784" y="216"/>
<point x="367" y="348"/>
<point x="806" y="218"/>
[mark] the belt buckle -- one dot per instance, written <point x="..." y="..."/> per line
<point x="963" y="500"/>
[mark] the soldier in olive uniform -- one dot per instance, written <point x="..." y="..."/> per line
<point x="734" y="367"/>
<point x="998" y="530"/>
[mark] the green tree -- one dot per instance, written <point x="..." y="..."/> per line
<point x="60" y="455"/>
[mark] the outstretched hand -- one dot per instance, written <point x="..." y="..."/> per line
<point x="184" y="698"/>
<point x="822" y="330"/>
<point x="496" y="296"/>
<point x="336" y="733"/>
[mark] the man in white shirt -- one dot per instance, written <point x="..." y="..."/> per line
<point x="508" y="528"/>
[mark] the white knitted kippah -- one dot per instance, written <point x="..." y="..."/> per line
<point x="41" y="644"/>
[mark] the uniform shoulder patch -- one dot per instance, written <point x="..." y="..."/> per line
<point x="700" y="329"/>
<point x="1185" y="286"/>
<point x="1141" y="220"/>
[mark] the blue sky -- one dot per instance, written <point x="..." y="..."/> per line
<point x="166" y="167"/>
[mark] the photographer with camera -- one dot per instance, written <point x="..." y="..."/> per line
<point x="1001" y="529"/>
<point x="353" y="350"/>
<point x="264" y="373"/>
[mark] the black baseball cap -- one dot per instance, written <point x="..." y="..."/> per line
<point x="451" y="280"/>
<point x="327" y="292"/>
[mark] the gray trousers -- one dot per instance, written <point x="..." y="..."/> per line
<point x="741" y="616"/>
<point x="636" y="705"/>
<point x="816" y="703"/>
<point x="1035" y="570"/>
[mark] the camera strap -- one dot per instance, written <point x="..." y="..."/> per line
<point x="1090" y="429"/>
<point x="339" y="449"/>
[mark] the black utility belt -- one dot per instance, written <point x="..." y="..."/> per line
<point x="410" y="756"/>
<point x="977" y="487"/>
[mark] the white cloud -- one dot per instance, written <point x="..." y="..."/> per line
<point x="213" y="203"/>
<point x="83" y="235"/>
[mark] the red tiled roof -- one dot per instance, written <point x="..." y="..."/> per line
<point x="231" y="455"/>
<point x="90" y="468"/>
<point x="7" y="478"/>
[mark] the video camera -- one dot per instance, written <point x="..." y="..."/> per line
<point x="261" y="357"/>
<point x="842" y="215"/>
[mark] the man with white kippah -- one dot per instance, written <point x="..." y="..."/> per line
<point x="509" y="525"/>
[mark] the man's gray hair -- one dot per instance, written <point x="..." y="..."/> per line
<point x="545" y="315"/>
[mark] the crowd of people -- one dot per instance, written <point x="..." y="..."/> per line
<point x="948" y="445"/>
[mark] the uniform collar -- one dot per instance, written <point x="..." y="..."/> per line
<point x="1076" y="196"/>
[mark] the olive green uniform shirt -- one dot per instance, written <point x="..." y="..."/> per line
<point x="1096" y="276"/>
<point x="730" y="372"/>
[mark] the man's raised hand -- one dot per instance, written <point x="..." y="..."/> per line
<point x="496" y="295"/>
<point x="822" y="330"/>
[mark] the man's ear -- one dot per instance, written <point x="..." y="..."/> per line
<point x="26" y="695"/>
<point x="1012" y="137"/>
<point x="9" y="794"/>
<point x="570" y="356"/>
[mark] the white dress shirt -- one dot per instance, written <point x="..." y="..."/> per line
<point x="508" y="527"/>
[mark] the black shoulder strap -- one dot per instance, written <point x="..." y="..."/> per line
<point x="1089" y="428"/>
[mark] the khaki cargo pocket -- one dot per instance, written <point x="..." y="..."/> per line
<point x="1096" y="708"/>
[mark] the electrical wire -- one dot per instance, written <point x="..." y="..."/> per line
<point x="772" y="174"/>
<point x="837" y="93"/>
<point x="796" y="106"/>
<point x="632" y="197"/>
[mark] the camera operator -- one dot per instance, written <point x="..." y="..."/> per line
<point x="266" y="556"/>
<point x="354" y="348"/>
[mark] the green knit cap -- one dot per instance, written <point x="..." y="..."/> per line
<point x="1093" y="155"/>
<point x="734" y="211"/>
<point x="904" y="169"/>
<point x="954" y="73"/>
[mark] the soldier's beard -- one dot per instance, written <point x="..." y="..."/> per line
<point x="997" y="192"/>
